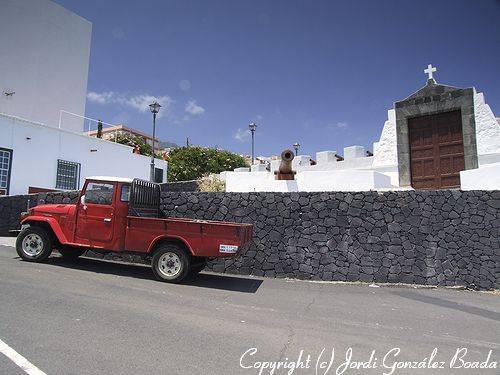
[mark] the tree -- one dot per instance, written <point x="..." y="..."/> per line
<point x="192" y="163"/>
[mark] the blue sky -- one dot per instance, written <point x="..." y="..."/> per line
<point x="322" y="73"/>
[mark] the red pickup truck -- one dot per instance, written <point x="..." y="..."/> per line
<point x="123" y="216"/>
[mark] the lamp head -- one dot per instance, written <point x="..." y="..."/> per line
<point x="155" y="107"/>
<point x="252" y="127"/>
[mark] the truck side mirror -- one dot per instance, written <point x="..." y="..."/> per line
<point x="82" y="201"/>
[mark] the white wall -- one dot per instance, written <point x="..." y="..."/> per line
<point x="243" y="182"/>
<point x="341" y="180"/>
<point x="488" y="159"/>
<point x="34" y="160"/>
<point x="487" y="127"/>
<point x="45" y="59"/>
<point x="483" y="178"/>
<point x="346" y="180"/>
<point x="385" y="152"/>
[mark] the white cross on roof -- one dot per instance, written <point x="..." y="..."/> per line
<point x="430" y="69"/>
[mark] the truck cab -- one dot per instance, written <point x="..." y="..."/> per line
<point x="123" y="215"/>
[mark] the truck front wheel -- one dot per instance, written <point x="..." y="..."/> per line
<point x="170" y="263"/>
<point x="33" y="244"/>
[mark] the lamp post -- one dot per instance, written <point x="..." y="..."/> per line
<point x="296" y="146"/>
<point x="154" y="107"/>
<point x="253" y="127"/>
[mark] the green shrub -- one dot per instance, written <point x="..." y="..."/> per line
<point x="192" y="163"/>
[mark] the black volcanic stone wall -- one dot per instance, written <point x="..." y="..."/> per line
<point x="10" y="209"/>
<point x="12" y="206"/>
<point x="181" y="186"/>
<point x="445" y="237"/>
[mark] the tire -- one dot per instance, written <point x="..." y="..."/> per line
<point x="68" y="252"/>
<point x="170" y="263"/>
<point x="34" y="244"/>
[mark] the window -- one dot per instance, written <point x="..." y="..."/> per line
<point x="68" y="175"/>
<point x="5" y="165"/>
<point x="98" y="193"/>
<point x="125" y="194"/>
<point x="158" y="175"/>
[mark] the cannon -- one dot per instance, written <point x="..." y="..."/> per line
<point x="284" y="171"/>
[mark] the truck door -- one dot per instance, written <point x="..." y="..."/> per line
<point x="96" y="220"/>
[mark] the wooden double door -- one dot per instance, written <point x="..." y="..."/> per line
<point x="436" y="150"/>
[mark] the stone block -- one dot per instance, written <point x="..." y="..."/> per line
<point x="325" y="157"/>
<point x="258" y="168"/>
<point x="301" y="161"/>
<point x="353" y="152"/>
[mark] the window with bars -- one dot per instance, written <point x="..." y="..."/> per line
<point x="68" y="175"/>
<point x="5" y="164"/>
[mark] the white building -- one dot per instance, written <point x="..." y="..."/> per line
<point x="44" y="61"/>
<point x="439" y="137"/>
<point x="35" y="157"/>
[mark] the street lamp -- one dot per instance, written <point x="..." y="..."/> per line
<point x="154" y="107"/>
<point x="253" y="127"/>
<point x="296" y="146"/>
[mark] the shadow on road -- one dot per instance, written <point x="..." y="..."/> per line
<point x="448" y="304"/>
<point x="203" y="280"/>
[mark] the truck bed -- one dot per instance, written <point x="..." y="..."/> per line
<point x="202" y="237"/>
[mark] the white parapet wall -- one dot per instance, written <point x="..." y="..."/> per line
<point x="326" y="157"/>
<point x="354" y="152"/>
<point x="242" y="182"/>
<point x="341" y="180"/>
<point x="483" y="178"/>
<point x="301" y="161"/>
<point x="258" y="168"/>
<point x="346" y="180"/>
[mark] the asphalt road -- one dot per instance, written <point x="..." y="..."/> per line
<point x="94" y="317"/>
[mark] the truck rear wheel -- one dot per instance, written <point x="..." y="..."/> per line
<point x="170" y="263"/>
<point x="68" y="252"/>
<point x="33" y="244"/>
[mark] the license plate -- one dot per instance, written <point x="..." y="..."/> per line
<point x="228" y="249"/>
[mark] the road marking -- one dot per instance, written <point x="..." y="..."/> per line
<point x="19" y="360"/>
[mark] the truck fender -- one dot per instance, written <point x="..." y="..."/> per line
<point x="169" y="238"/>
<point x="52" y="223"/>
